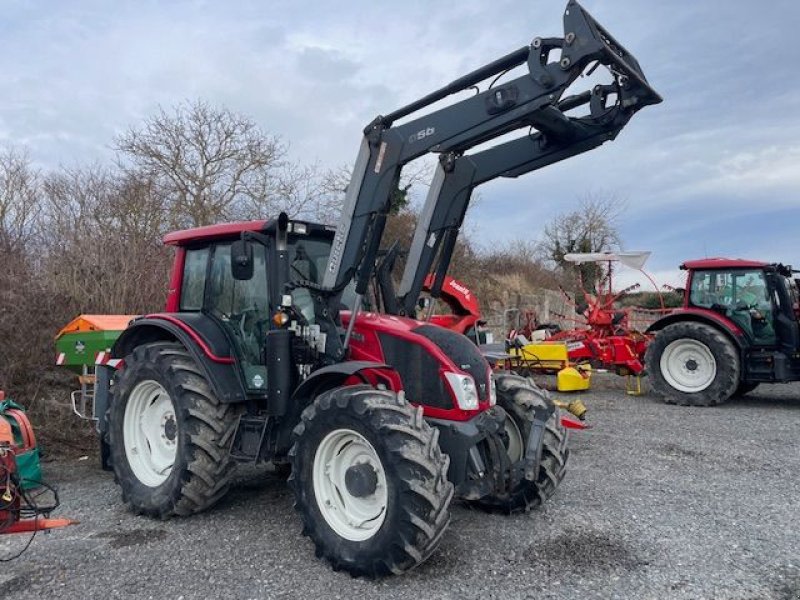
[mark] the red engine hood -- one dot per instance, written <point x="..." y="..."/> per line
<point x="381" y="322"/>
<point x="368" y="343"/>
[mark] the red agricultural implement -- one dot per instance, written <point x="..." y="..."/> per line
<point x="25" y="505"/>
<point x="605" y="338"/>
<point x="465" y="311"/>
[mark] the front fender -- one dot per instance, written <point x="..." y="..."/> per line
<point x="326" y="378"/>
<point x="335" y="375"/>
<point x="201" y="336"/>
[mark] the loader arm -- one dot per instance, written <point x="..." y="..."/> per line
<point x="533" y="100"/>
<point x="457" y="176"/>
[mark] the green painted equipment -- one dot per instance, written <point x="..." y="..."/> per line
<point x="80" y="345"/>
<point x="79" y="342"/>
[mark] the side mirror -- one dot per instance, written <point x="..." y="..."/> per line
<point x="242" y="260"/>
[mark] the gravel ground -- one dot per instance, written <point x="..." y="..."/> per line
<point x="659" y="502"/>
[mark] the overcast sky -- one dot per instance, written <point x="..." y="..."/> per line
<point x="714" y="170"/>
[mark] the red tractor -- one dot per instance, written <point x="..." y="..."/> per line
<point x="738" y="327"/>
<point x="265" y="354"/>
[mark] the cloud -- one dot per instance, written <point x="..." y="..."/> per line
<point x="718" y="155"/>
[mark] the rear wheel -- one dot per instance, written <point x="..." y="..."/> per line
<point x="522" y="399"/>
<point x="370" y="481"/>
<point x="169" y="436"/>
<point x="693" y="364"/>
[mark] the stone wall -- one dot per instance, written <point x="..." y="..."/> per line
<point x="552" y="307"/>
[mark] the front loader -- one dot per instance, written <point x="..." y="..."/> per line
<point x="264" y="354"/>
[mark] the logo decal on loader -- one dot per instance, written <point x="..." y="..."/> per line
<point x="421" y="134"/>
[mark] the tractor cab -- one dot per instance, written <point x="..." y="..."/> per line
<point x="758" y="298"/>
<point x="240" y="286"/>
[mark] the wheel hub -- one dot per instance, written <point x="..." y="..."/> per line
<point x="691" y="364"/>
<point x="170" y="428"/>
<point x="361" y="480"/>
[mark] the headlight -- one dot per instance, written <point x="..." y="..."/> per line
<point x="464" y="389"/>
<point x="492" y="391"/>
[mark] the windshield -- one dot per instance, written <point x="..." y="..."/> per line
<point x="308" y="258"/>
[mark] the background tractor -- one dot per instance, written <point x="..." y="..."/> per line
<point x="738" y="327"/>
<point x="265" y="354"/>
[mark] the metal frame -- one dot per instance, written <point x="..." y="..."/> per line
<point x="533" y="100"/>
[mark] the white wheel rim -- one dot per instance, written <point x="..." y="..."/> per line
<point x="150" y="433"/>
<point x="688" y="365"/>
<point x="516" y="445"/>
<point x="352" y="517"/>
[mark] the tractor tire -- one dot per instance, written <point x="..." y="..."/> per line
<point x="745" y="388"/>
<point x="519" y="397"/>
<point x="370" y="481"/>
<point x="169" y="436"/>
<point x="693" y="364"/>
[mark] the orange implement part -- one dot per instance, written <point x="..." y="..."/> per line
<point x="6" y="435"/>
<point x="96" y="323"/>
<point x="38" y="525"/>
<point x="28" y="437"/>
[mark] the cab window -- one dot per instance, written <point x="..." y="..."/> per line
<point x="194" y="279"/>
<point x="729" y="289"/>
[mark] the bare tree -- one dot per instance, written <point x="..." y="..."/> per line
<point x="299" y="190"/>
<point x="19" y="206"/>
<point x="102" y="236"/>
<point x="203" y="160"/>
<point x="592" y="227"/>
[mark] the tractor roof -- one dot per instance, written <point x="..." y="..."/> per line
<point x="196" y="234"/>
<point x="723" y="263"/>
<point x="185" y="237"/>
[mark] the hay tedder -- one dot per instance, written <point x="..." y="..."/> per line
<point x="605" y="338"/>
<point x="265" y="354"/>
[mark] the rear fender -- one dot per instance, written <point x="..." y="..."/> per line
<point x="209" y="348"/>
<point x="709" y="317"/>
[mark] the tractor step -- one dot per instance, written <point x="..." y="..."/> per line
<point x="247" y="442"/>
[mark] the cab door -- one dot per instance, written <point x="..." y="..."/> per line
<point x="242" y="308"/>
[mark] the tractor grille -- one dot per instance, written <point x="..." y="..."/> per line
<point x="418" y="370"/>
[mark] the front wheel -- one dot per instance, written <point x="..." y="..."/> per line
<point x="745" y="388"/>
<point x="169" y="436"/>
<point x="693" y="364"/>
<point x="370" y="481"/>
<point x="522" y="400"/>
